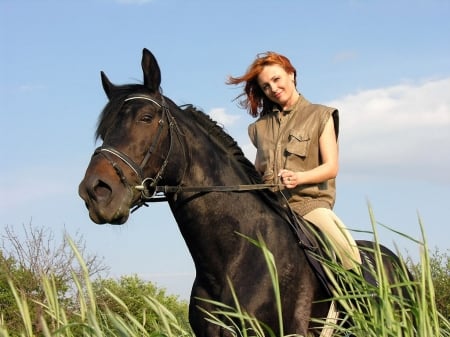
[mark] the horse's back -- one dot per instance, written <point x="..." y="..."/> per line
<point x="394" y="268"/>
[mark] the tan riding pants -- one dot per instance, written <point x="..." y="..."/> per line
<point x="339" y="236"/>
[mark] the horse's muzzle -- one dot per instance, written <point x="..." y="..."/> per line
<point x="107" y="200"/>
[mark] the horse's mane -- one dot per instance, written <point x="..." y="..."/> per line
<point x="231" y="146"/>
<point x="217" y="132"/>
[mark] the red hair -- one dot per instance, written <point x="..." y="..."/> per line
<point x="256" y="102"/>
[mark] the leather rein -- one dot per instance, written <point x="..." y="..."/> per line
<point x="149" y="188"/>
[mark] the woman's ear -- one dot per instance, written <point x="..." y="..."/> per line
<point x="292" y="78"/>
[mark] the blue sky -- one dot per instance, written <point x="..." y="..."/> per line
<point x="384" y="64"/>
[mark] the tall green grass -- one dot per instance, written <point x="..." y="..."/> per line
<point x="405" y="307"/>
<point x="373" y="311"/>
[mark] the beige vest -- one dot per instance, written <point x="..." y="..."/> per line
<point x="291" y="140"/>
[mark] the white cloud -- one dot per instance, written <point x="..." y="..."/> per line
<point x="403" y="130"/>
<point x="221" y="117"/>
<point x="249" y="151"/>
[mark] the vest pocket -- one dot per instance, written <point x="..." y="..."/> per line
<point x="298" y="143"/>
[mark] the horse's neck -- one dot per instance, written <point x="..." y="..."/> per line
<point x="210" y="163"/>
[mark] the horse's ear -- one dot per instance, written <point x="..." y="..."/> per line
<point x="108" y="87"/>
<point x="152" y="73"/>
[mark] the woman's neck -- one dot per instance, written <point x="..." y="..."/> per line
<point x="292" y="101"/>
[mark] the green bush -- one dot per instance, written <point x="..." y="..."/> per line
<point x="439" y="266"/>
<point x="134" y="295"/>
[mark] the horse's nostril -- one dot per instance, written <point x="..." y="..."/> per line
<point x="102" y="190"/>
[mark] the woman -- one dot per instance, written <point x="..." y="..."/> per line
<point x="296" y="144"/>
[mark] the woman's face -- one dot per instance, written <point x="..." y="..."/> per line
<point x="278" y="85"/>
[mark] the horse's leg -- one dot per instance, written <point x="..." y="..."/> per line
<point x="197" y="316"/>
<point x="310" y="303"/>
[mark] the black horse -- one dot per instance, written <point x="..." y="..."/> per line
<point x="153" y="148"/>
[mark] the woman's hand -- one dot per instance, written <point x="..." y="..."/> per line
<point x="289" y="178"/>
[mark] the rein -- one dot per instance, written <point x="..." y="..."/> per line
<point x="220" y="188"/>
<point x="149" y="188"/>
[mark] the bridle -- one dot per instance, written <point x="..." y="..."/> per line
<point x="149" y="188"/>
<point x="147" y="185"/>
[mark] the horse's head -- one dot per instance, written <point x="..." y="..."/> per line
<point x="136" y="129"/>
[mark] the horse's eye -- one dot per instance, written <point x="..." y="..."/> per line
<point x="146" y="118"/>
